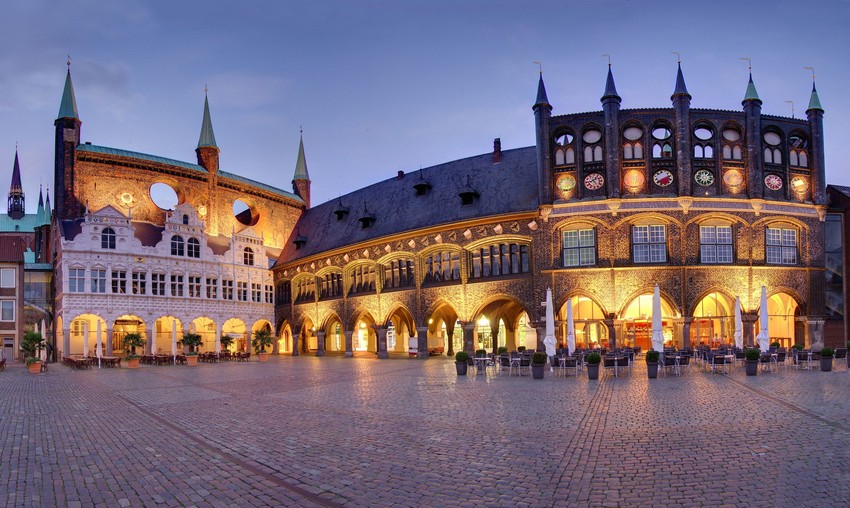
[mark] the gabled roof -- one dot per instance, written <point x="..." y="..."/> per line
<point x="12" y="250"/>
<point x="507" y="187"/>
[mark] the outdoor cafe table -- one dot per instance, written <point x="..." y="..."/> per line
<point x="480" y="364"/>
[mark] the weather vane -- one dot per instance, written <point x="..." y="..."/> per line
<point x="69" y="60"/>
<point x="609" y="59"/>
<point x="539" y="66"/>
<point x="678" y="56"/>
<point x="749" y="62"/>
<point x="205" y="89"/>
<point x="813" y="72"/>
<point x="792" y="107"/>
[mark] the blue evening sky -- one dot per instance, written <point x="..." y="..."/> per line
<point x="382" y="86"/>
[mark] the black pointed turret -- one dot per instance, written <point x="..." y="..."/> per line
<point x="681" y="89"/>
<point x="816" y="154"/>
<point x="682" y="129"/>
<point x="541" y="93"/>
<point x="611" y="108"/>
<point x="542" y="113"/>
<point x="16" y="192"/>
<point x="610" y="88"/>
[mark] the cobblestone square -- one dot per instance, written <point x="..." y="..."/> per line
<point x="304" y="431"/>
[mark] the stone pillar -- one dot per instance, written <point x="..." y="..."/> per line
<point x="749" y="321"/>
<point x="422" y="342"/>
<point x="541" y="335"/>
<point x="814" y="332"/>
<point x="450" y="349"/>
<point x="276" y="345"/>
<point x="494" y="333"/>
<point x="320" y="343"/>
<point x="381" y="332"/>
<point x="109" y="350"/>
<point x="349" y="343"/>
<point x="468" y="338"/>
<point x="66" y="341"/>
<point x="619" y="332"/>
<point x="510" y="339"/>
<point x="612" y="332"/>
<point x="295" y="338"/>
<point x="686" y="331"/>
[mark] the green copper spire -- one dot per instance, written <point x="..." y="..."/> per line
<point x="301" y="163"/>
<point x="814" y="100"/>
<point x="751" y="91"/>
<point x="68" y="107"/>
<point x="207" y="135"/>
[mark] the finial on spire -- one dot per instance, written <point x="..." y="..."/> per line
<point x="69" y="61"/>
<point x="678" y="56"/>
<point x="792" y="107"/>
<point x="749" y="62"/>
<point x="814" y="100"/>
<point x="539" y="66"/>
<point x="813" y="72"/>
<point x="609" y="59"/>
<point x="206" y="90"/>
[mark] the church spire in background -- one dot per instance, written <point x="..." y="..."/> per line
<point x="16" y="192"/>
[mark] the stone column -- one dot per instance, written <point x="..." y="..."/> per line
<point x="320" y="343"/>
<point x="612" y="332"/>
<point x="494" y="333"/>
<point x="468" y="338"/>
<point x="749" y="321"/>
<point x="276" y="345"/>
<point x="109" y="350"/>
<point x="295" y="338"/>
<point x="541" y="334"/>
<point x="349" y="343"/>
<point x="510" y="339"/>
<point x="686" y="331"/>
<point x="618" y="331"/>
<point x="381" y="332"/>
<point x="450" y="350"/>
<point x="66" y="341"/>
<point x="422" y="342"/>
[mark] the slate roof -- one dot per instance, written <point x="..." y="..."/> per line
<point x="186" y="165"/>
<point x="507" y="187"/>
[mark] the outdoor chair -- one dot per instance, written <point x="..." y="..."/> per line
<point x="804" y="359"/>
<point x="717" y="362"/>
<point x="779" y="359"/>
<point x="765" y="362"/>
<point x="568" y="362"/>
<point x="624" y="363"/>
<point x="504" y="363"/>
<point x="609" y="363"/>
<point x="841" y="354"/>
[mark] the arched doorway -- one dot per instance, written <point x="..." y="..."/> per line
<point x="127" y="324"/>
<point x="84" y="334"/>
<point x="637" y="323"/>
<point x="400" y="329"/>
<point x="444" y="329"/>
<point x="167" y="330"/>
<point x="781" y="324"/>
<point x="236" y="329"/>
<point x="714" y="321"/>
<point x="205" y="327"/>
<point x="284" y="341"/>
<point x="589" y="330"/>
<point x="364" y="338"/>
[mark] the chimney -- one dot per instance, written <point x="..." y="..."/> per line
<point x="400" y="175"/>
<point x="497" y="150"/>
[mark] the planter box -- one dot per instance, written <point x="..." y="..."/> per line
<point x="826" y="364"/>
<point x="537" y="370"/>
<point x="652" y="370"/>
<point x="592" y="371"/>
<point x="34" y="368"/>
<point x="461" y="368"/>
<point x="263" y="357"/>
<point x="192" y="360"/>
<point x="752" y="367"/>
<point x="132" y="363"/>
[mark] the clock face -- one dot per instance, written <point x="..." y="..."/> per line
<point x="704" y="177"/>
<point x="773" y="182"/>
<point x="662" y="178"/>
<point x="799" y="184"/>
<point x="594" y="181"/>
<point x="566" y="183"/>
<point x="634" y="178"/>
<point x="733" y="178"/>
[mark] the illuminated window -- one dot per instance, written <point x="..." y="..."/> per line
<point x="649" y="244"/>
<point x="500" y="259"/>
<point x="176" y="285"/>
<point x="715" y="244"/>
<point x="579" y="247"/>
<point x="242" y="291"/>
<point x="139" y="281"/>
<point x="399" y="273"/>
<point x="212" y="288"/>
<point x="158" y="284"/>
<point x="781" y="246"/>
<point x="227" y="289"/>
<point x="194" y="287"/>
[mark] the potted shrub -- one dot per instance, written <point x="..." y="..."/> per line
<point x="131" y="342"/>
<point x="592" y="360"/>
<point x="262" y="340"/>
<point x="520" y="349"/>
<point x="796" y="348"/>
<point x="774" y="345"/>
<point x="826" y="355"/>
<point x="192" y="341"/>
<point x="502" y="350"/>
<point x="461" y="362"/>
<point x="226" y="341"/>
<point x="752" y="356"/>
<point x="652" y="363"/>
<point x="538" y="365"/>
<point x="32" y="345"/>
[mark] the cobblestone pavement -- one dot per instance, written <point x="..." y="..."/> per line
<point x="333" y="431"/>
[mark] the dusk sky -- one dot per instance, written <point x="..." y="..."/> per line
<point x="382" y="86"/>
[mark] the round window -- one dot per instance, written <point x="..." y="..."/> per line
<point x="564" y="139"/>
<point x="772" y="138"/>
<point x="244" y="213"/>
<point x="633" y="133"/>
<point x="703" y="133"/>
<point x="592" y="136"/>
<point x="163" y="195"/>
<point x="731" y="135"/>
<point x="661" y="133"/>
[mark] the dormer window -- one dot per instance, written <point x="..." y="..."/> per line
<point x="422" y="187"/>
<point x="301" y="240"/>
<point x="248" y="256"/>
<point x="367" y="219"/>
<point x="107" y="238"/>
<point x="467" y="194"/>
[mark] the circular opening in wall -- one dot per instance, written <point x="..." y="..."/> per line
<point x="661" y="133"/>
<point x="592" y="136"/>
<point x="703" y="133"/>
<point x="633" y="133"/>
<point x="163" y="195"/>
<point x="245" y="213"/>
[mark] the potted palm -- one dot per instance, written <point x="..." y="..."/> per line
<point x="461" y="362"/>
<point x="226" y="341"/>
<point x="262" y="340"/>
<point x="131" y="342"/>
<point x="192" y="341"/>
<point x="592" y="360"/>
<point x="751" y="356"/>
<point x="652" y="363"/>
<point x="32" y="345"/>
<point x="826" y="355"/>
<point x="538" y="365"/>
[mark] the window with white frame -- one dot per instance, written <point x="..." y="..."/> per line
<point x="76" y="280"/>
<point x="227" y="289"/>
<point x="579" y="247"/>
<point x="158" y="284"/>
<point x="7" y="278"/>
<point x="248" y="256"/>
<point x="177" y="246"/>
<point x="269" y="293"/>
<point x="715" y="244"/>
<point x="176" y="285"/>
<point x="256" y="292"/>
<point x="212" y="288"/>
<point x="119" y="282"/>
<point x="107" y="238"/>
<point x="194" y="287"/>
<point x="242" y="291"/>
<point x="781" y="246"/>
<point x="98" y="281"/>
<point x="193" y="248"/>
<point x="649" y="243"/>
<point x="139" y="282"/>
<point x="7" y="310"/>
